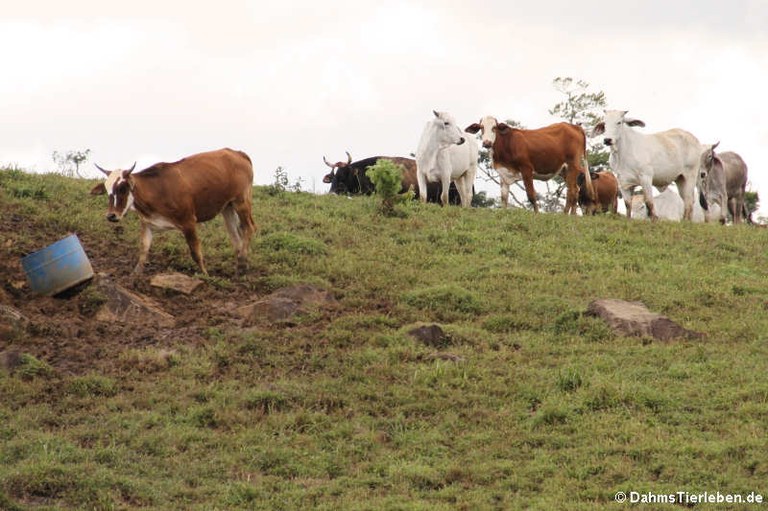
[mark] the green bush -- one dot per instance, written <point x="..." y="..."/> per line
<point x="387" y="178"/>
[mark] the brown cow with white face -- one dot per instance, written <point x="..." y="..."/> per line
<point x="539" y="154"/>
<point x="179" y="195"/>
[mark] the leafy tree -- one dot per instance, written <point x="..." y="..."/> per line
<point x="583" y="108"/>
<point x="751" y="203"/>
<point x="69" y="162"/>
<point x="282" y="184"/>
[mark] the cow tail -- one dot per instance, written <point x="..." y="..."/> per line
<point x="587" y="177"/>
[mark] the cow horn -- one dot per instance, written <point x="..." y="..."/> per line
<point x="326" y="162"/>
<point x="130" y="169"/>
<point x="715" y="145"/>
<point x="349" y="157"/>
<point x="106" y="172"/>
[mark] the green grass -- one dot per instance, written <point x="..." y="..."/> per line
<point x="542" y="407"/>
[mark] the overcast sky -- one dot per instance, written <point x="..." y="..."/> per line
<point x="289" y="82"/>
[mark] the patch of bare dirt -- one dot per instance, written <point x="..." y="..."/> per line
<point x="68" y="332"/>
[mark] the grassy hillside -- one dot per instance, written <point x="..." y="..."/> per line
<point x="528" y="404"/>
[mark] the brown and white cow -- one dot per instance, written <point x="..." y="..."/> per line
<point x="179" y="195"/>
<point x="536" y="154"/>
<point x="606" y="188"/>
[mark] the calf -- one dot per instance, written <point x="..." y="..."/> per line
<point x="606" y="188"/>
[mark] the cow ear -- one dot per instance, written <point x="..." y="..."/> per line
<point x="599" y="129"/>
<point x="634" y="122"/>
<point x="328" y="178"/>
<point x="502" y="127"/>
<point x="99" y="189"/>
<point x="473" y="128"/>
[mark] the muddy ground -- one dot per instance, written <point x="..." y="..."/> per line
<point x="63" y="330"/>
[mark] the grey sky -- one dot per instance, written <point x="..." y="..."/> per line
<point x="291" y="82"/>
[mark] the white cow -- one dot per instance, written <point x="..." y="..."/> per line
<point x="669" y="206"/>
<point x="444" y="154"/>
<point x="723" y="182"/>
<point x="656" y="160"/>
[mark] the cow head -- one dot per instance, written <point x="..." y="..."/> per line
<point x="487" y="127"/>
<point x="708" y="160"/>
<point x="446" y="131"/>
<point x="119" y="187"/>
<point x="340" y="175"/>
<point x="612" y="125"/>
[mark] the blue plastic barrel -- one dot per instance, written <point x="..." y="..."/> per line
<point x="57" y="267"/>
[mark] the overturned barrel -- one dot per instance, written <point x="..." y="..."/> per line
<point x="57" y="267"/>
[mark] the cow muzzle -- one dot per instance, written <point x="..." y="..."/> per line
<point x="112" y="217"/>
<point x="487" y="144"/>
<point x="608" y="141"/>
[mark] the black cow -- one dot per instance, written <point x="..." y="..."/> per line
<point x="350" y="178"/>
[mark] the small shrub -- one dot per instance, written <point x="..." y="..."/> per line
<point x="387" y="178"/>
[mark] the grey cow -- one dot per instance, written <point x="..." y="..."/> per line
<point x="722" y="181"/>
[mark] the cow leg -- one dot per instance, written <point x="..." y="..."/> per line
<point x="446" y="184"/>
<point x="231" y="222"/>
<point x="235" y="232"/>
<point x="724" y="206"/>
<point x="686" y="189"/>
<point x="647" y="185"/>
<point x="422" y="180"/>
<point x="145" y="238"/>
<point x="626" y="193"/>
<point x="247" y="228"/>
<point x="190" y="234"/>
<point x="737" y="207"/>
<point x="465" y="191"/>
<point x="504" y="192"/>
<point x="572" y="196"/>
<point x="530" y="191"/>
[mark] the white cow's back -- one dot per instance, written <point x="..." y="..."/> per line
<point x="668" y="154"/>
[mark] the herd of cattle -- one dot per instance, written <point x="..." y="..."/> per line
<point x="197" y="188"/>
<point x="638" y="160"/>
